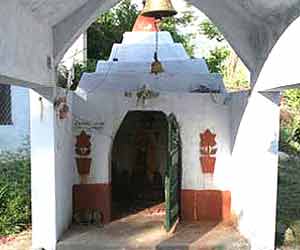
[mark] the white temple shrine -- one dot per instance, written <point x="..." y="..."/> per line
<point x="134" y="107"/>
<point x="174" y="144"/>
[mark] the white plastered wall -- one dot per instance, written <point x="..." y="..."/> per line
<point x="42" y="173"/>
<point x="53" y="173"/>
<point x="198" y="113"/>
<point x="53" y="163"/>
<point x="65" y="171"/>
<point x="247" y="128"/>
<point x="14" y="135"/>
<point x="27" y="39"/>
<point x="254" y="166"/>
<point x="250" y="173"/>
<point x="281" y="69"/>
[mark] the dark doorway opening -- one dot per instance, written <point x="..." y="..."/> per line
<point x="139" y="159"/>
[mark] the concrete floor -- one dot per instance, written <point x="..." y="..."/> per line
<point x="145" y="232"/>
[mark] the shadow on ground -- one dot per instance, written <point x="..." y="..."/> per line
<point x="145" y="232"/>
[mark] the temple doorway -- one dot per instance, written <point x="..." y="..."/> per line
<point x="139" y="158"/>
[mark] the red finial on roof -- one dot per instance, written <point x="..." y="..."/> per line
<point x="145" y="24"/>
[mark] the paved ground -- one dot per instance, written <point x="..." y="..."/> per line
<point x="21" y="242"/>
<point x="145" y="232"/>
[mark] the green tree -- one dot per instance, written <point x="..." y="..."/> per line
<point x="171" y="25"/>
<point x="216" y="59"/>
<point x="222" y="59"/>
<point x="109" y="29"/>
<point x="110" y="26"/>
<point x="292" y="99"/>
<point x="211" y="31"/>
<point x="290" y="121"/>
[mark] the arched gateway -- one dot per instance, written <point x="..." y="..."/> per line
<point x="220" y="133"/>
<point x="146" y="166"/>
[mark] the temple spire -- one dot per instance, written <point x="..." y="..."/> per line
<point x="145" y="24"/>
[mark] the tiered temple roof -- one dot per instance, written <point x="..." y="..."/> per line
<point x="128" y="67"/>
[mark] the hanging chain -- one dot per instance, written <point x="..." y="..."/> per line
<point x="156" y="66"/>
<point x="156" y="41"/>
<point x="156" y="46"/>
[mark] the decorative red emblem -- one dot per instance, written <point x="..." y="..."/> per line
<point x="208" y="151"/>
<point x="83" y="144"/>
<point x="83" y="150"/>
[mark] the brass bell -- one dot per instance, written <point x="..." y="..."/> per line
<point x="156" y="66"/>
<point x="158" y="9"/>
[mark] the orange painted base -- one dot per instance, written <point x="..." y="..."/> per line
<point x="93" y="196"/>
<point x="196" y="205"/>
<point x="202" y="205"/>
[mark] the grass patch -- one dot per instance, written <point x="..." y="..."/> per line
<point x="15" y="193"/>
<point x="288" y="203"/>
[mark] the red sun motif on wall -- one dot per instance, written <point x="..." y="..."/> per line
<point x="208" y="151"/>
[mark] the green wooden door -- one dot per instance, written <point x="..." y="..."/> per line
<point x="172" y="175"/>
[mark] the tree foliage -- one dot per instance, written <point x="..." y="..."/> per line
<point x="109" y="29"/>
<point x="290" y="122"/>
<point x="216" y="59"/>
<point x="292" y="99"/>
<point x="110" y="26"/>
<point x="171" y="25"/>
<point x="222" y="59"/>
<point x="211" y="31"/>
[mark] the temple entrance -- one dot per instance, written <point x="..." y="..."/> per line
<point x="139" y="159"/>
<point x="146" y="167"/>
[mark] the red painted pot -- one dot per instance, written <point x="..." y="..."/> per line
<point x="208" y="164"/>
<point x="83" y="165"/>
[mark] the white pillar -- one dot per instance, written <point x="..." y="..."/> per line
<point x="52" y="171"/>
<point x="42" y="172"/>
<point x="255" y="158"/>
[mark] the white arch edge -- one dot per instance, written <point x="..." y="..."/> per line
<point x="281" y="69"/>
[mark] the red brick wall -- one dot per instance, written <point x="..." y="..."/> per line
<point x="93" y="196"/>
<point x="196" y="205"/>
<point x="201" y="205"/>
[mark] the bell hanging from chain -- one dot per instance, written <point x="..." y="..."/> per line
<point x="156" y="66"/>
<point x="158" y="9"/>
